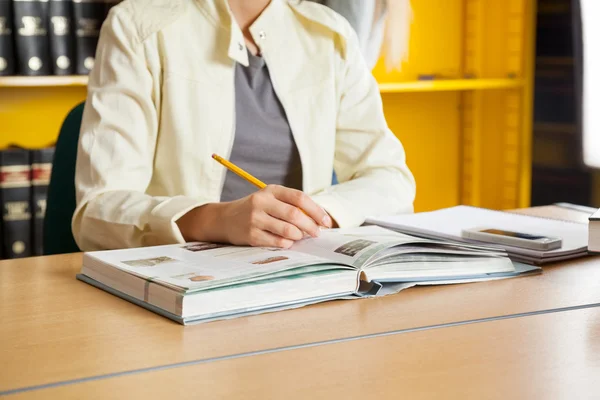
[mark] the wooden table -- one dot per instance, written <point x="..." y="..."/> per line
<point x="55" y="328"/>
<point x="551" y="356"/>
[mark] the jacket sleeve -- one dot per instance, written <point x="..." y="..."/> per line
<point x="116" y="150"/>
<point x="370" y="162"/>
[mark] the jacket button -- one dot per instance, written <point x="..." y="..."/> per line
<point x="240" y="46"/>
<point x="262" y="35"/>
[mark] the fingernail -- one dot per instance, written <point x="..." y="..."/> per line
<point x="327" y="221"/>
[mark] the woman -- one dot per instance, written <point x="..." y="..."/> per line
<point x="175" y="79"/>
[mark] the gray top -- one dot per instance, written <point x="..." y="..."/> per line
<point x="263" y="143"/>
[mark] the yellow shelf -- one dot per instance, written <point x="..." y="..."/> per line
<point x="43" y="81"/>
<point x="450" y="85"/>
<point x="396" y="87"/>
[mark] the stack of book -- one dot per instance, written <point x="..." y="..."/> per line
<point x="24" y="179"/>
<point x="448" y="224"/>
<point x="50" y="37"/>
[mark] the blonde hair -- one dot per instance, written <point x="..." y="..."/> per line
<point x="396" y="37"/>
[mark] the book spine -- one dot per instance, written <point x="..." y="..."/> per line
<point x="31" y="37"/>
<point x="41" y="168"/>
<point x="7" y="51"/>
<point x="15" y="191"/>
<point x="88" y="15"/>
<point x="62" y="39"/>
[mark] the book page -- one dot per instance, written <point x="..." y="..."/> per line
<point x="354" y="246"/>
<point x="403" y="253"/>
<point x="208" y="265"/>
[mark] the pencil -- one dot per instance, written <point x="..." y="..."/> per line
<point x="240" y="172"/>
<point x="245" y="175"/>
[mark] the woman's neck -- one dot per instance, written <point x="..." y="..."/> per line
<point x="245" y="13"/>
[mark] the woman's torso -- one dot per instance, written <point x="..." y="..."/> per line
<point x="192" y="62"/>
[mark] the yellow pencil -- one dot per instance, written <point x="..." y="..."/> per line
<point x="240" y="172"/>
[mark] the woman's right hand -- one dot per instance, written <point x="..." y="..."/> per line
<point x="270" y="217"/>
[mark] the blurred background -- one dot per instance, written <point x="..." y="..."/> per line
<point x="485" y="95"/>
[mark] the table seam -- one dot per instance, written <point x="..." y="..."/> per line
<point x="293" y="347"/>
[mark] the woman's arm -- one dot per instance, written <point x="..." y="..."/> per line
<point x="116" y="150"/>
<point x="369" y="160"/>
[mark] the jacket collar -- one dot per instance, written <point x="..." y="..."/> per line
<point x="269" y="28"/>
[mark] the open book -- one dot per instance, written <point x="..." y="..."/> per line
<point x="198" y="282"/>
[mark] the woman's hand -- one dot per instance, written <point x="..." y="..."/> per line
<point x="271" y="217"/>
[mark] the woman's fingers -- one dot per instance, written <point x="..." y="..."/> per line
<point x="302" y="201"/>
<point x="282" y="228"/>
<point x="291" y="217"/>
<point x="261" y="238"/>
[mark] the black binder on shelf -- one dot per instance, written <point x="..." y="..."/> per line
<point x="41" y="168"/>
<point x="88" y="15"/>
<point x="7" y="51"/>
<point x="31" y="37"/>
<point x="15" y="193"/>
<point x="62" y="39"/>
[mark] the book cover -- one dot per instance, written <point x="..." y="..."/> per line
<point x="15" y="192"/>
<point x="41" y="168"/>
<point x="88" y="16"/>
<point x="31" y="37"/>
<point x="62" y="39"/>
<point x="7" y="52"/>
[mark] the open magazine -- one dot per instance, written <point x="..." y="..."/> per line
<point x="197" y="282"/>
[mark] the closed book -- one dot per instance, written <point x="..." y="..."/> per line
<point x="7" y="51"/>
<point x="88" y="15"/>
<point x="62" y="38"/>
<point x="41" y="167"/>
<point x="15" y="193"/>
<point x="594" y="232"/>
<point x="31" y="37"/>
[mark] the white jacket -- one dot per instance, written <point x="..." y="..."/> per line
<point x="161" y="101"/>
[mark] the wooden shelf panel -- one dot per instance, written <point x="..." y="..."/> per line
<point x="43" y="81"/>
<point x="450" y="85"/>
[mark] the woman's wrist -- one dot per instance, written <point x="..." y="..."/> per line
<point x="201" y="224"/>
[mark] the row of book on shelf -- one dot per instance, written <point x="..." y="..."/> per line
<point x="50" y="37"/>
<point x="24" y="179"/>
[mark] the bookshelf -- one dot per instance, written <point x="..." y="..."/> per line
<point x="468" y="141"/>
<point x="467" y="135"/>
